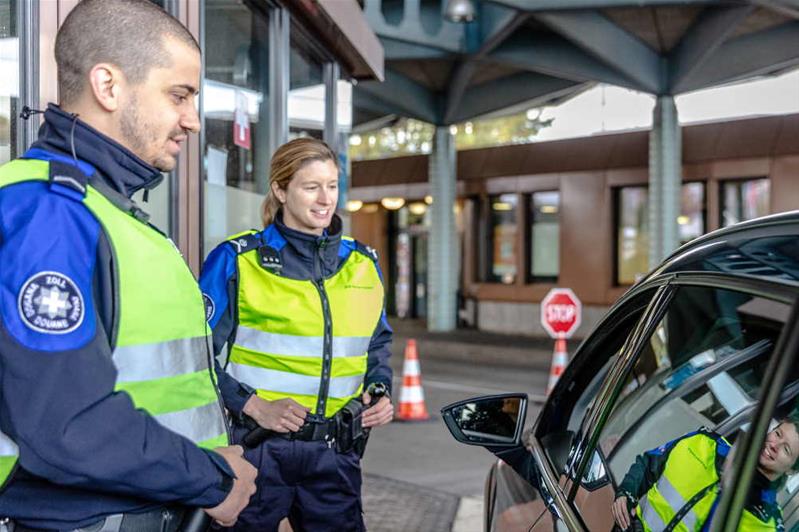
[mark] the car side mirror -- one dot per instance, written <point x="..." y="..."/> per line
<point x="494" y="421"/>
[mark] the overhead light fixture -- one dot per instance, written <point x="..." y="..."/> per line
<point x="392" y="204"/>
<point x="501" y="206"/>
<point x="683" y="220"/>
<point x="370" y="208"/>
<point x="353" y="205"/>
<point x="549" y="209"/>
<point x="417" y="208"/>
<point x="428" y="200"/>
<point x="460" y="11"/>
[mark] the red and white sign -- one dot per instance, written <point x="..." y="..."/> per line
<point x="241" y="122"/>
<point x="561" y="313"/>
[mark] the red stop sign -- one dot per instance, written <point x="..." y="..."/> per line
<point x="561" y="313"/>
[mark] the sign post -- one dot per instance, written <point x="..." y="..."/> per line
<point x="561" y="314"/>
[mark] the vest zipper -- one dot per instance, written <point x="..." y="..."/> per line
<point x="327" y="345"/>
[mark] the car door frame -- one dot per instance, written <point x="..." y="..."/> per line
<point x="560" y="501"/>
<point x="595" y="420"/>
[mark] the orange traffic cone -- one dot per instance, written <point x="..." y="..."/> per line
<point x="411" y="402"/>
<point x="559" y="360"/>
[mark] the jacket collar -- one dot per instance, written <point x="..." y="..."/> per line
<point x="117" y="166"/>
<point x="306" y="246"/>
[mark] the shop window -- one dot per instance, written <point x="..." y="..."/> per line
<point x="236" y="117"/>
<point x="502" y="231"/>
<point x="744" y="199"/>
<point x="632" y="227"/>
<point x="544" y="245"/>
<point x="9" y="84"/>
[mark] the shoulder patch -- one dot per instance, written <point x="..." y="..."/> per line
<point x="210" y="308"/>
<point x="369" y="251"/>
<point x="245" y="242"/>
<point x="51" y="303"/>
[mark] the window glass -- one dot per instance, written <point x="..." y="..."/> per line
<point x="632" y="230"/>
<point x="306" y="107"/>
<point x="544" y="235"/>
<point x="9" y="82"/>
<point x="235" y="104"/>
<point x="702" y="368"/>
<point x="502" y="231"/>
<point x="744" y="200"/>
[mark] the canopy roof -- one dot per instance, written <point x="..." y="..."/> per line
<point x="531" y="52"/>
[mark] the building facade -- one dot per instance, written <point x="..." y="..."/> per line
<point x="569" y="213"/>
<point x="272" y="70"/>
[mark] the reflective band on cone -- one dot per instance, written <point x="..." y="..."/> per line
<point x="559" y="360"/>
<point x="411" y="401"/>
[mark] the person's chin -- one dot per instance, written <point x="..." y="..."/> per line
<point x="165" y="163"/>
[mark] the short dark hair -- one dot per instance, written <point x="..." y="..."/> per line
<point x="129" y="34"/>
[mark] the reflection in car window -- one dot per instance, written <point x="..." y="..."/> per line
<point x="568" y="407"/>
<point x="701" y="368"/>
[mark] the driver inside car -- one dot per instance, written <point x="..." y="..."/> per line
<point x="676" y="486"/>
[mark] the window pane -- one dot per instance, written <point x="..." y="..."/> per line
<point x="502" y="233"/>
<point x="235" y="103"/>
<point x="544" y="234"/>
<point x="744" y="200"/>
<point x="306" y="107"/>
<point x="633" y="234"/>
<point x="702" y="367"/>
<point x="9" y="82"/>
<point x="691" y="222"/>
<point x="632" y="242"/>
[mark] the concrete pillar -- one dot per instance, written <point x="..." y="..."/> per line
<point x="665" y="177"/>
<point x="442" y="245"/>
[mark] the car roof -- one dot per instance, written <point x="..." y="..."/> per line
<point x="766" y="247"/>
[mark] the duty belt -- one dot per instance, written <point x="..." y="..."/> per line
<point x="158" y="520"/>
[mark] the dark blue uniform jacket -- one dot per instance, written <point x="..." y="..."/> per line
<point x="84" y="450"/>
<point x="303" y="256"/>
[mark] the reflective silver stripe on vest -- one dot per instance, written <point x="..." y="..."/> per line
<point x="299" y="346"/>
<point x="291" y="383"/>
<point x="197" y="424"/>
<point x="165" y="359"/>
<point x="7" y="446"/>
<point x="676" y="501"/>
<point x="650" y="516"/>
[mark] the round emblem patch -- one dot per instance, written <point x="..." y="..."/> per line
<point x="50" y="302"/>
<point x="209" y="307"/>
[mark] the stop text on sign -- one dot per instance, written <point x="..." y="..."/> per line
<point x="561" y="313"/>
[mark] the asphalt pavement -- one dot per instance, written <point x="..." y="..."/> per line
<point x="416" y="476"/>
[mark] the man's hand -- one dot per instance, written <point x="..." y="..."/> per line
<point x="283" y="415"/>
<point x="621" y="513"/>
<point x="227" y="512"/>
<point x="379" y="414"/>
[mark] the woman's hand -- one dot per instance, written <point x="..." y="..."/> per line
<point x="283" y="415"/>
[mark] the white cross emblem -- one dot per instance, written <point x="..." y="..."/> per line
<point x="53" y="302"/>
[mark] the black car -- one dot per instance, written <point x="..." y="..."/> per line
<point x="707" y="341"/>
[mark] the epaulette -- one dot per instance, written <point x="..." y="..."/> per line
<point x="369" y="251"/>
<point x="244" y="242"/>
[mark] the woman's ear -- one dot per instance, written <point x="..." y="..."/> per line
<point x="279" y="193"/>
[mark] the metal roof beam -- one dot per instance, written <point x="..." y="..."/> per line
<point x="395" y="49"/>
<point x="557" y="57"/>
<point x="702" y="39"/>
<point x="495" y="25"/>
<point x="611" y="44"/>
<point x="450" y="36"/>
<point x="558" y="5"/>
<point x="751" y="55"/>
<point x="506" y="92"/>
<point x="401" y="96"/>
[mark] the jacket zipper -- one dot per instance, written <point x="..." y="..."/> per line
<point x="327" y="345"/>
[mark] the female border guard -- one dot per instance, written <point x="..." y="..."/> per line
<point x="300" y="308"/>
<point x="676" y="486"/>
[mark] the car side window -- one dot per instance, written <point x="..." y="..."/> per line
<point x="580" y="385"/>
<point x="701" y="369"/>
